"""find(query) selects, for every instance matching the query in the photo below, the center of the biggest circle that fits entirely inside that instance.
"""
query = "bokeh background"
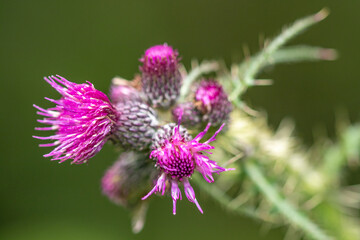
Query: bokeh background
(96, 40)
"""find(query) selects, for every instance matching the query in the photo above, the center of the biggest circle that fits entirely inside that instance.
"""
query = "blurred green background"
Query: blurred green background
(96, 40)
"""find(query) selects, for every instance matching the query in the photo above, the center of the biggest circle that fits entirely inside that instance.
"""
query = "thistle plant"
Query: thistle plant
(160, 118)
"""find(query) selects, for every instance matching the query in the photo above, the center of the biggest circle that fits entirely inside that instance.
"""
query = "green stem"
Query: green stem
(203, 68)
(289, 33)
(301, 53)
(344, 152)
(285, 208)
(223, 199)
(330, 215)
(293, 54)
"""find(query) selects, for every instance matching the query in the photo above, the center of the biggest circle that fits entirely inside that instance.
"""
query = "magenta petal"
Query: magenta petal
(160, 186)
(190, 194)
(175, 194)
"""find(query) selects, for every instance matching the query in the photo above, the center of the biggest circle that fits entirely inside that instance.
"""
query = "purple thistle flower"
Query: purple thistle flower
(161, 79)
(178, 156)
(213, 102)
(83, 119)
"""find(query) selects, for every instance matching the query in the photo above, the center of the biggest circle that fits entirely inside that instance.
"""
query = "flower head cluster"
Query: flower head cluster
(83, 119)
(178, 156)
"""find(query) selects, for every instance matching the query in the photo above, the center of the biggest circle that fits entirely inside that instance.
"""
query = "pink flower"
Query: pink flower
(178, 156)
(83, 119)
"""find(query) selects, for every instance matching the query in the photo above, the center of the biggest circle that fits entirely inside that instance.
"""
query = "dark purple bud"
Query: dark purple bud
(213, 102)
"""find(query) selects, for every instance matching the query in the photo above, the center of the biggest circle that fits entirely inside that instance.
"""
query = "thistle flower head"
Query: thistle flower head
(161, 79)
(83, 119)
(213, 102)
(177, 156)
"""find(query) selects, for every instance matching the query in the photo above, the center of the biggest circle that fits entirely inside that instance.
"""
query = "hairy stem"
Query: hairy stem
(287, 210)
(301, 53)
(223, 199)
(203, 68)
(332, 217)
(256, 63)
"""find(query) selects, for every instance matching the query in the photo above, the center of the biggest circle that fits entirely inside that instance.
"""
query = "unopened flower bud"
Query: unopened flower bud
(213, 102)
(161, 79)
(136, 125)
(122, 90)
(128, 179)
